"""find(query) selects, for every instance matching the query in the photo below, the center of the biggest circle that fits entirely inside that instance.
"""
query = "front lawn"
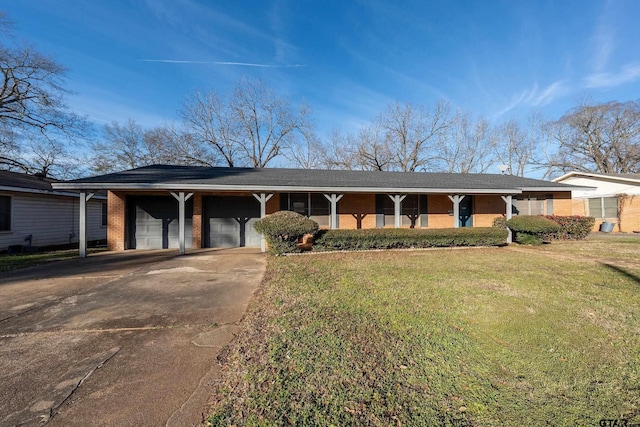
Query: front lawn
(16, 261)
(462, 337)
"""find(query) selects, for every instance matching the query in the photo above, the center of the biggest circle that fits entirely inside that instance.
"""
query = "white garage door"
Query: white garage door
(229, 221)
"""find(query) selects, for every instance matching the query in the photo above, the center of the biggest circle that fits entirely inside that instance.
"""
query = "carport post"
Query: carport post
(263, 198)
(397, 201)
(456, 209)
(182, 198)
(508, 201)
(334, 199)
(84, 198)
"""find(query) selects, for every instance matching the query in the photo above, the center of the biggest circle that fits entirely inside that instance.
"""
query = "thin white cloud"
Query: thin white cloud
(628, 74)
(550, 94)
(241, 64)
(604, 46)
(535, 97)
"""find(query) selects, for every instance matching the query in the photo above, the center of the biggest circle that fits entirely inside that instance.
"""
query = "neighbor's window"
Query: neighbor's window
(603, 207)
(104, 214)
(5, 213)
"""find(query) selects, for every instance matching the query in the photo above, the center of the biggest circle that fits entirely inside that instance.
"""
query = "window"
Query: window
(5, 213)
(532, 205)
(313, 205)
(412, 211)
(603, 207)
(104, 214)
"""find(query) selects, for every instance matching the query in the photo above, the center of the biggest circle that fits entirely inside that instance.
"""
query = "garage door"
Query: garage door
(229, 221)
(153, 223)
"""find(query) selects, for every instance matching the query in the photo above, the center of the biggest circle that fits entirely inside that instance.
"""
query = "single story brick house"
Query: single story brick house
(182, 207)
(613, 197)
(33, 214)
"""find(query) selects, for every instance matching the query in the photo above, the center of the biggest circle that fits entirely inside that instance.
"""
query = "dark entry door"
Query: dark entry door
(466, 212)
(229, 221)
(154, 223)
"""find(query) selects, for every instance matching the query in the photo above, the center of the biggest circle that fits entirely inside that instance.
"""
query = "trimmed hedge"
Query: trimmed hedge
(283, 229)
(404, 238)
(572, 227)
(528, 229)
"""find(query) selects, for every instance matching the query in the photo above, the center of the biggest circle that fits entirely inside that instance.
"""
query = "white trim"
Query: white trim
(595, 175)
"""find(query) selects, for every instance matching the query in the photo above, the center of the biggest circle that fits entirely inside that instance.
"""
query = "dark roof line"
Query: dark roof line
(186, 177)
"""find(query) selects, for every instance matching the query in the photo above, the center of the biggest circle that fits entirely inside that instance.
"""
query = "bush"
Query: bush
(532, 229)
(499, 222)
(403, 238)
(283, 229)
(572, 227)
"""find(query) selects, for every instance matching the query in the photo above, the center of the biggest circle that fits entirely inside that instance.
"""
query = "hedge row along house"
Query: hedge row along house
(162, 206)
(614, 198)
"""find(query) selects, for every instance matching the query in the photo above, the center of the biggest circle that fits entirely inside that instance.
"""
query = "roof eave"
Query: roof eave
(281, 188)
(44, 192)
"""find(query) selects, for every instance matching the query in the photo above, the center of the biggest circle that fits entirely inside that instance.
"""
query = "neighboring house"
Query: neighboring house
(220, 205)
(33, 214)
(613, 198)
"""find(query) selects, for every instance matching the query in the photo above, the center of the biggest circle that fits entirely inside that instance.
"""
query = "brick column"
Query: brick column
(115, 221)
(197, 221)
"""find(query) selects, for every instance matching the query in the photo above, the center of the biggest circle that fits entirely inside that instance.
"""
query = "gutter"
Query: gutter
(283, 188)
(45, 192)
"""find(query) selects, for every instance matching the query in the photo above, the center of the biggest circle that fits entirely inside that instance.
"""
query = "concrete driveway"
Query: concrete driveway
(120, 339)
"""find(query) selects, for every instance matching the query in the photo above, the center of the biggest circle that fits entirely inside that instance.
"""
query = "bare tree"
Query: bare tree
(306, 154)
(601, 138)
(251, 127)
(411, 132)
(122, 148)
(339, 152)
(210, 122)
(466, 146)
(521, 148)
(32, 104)
(171, 145)
(372, 149)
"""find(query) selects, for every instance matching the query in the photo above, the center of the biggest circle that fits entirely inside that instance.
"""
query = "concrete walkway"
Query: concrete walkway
(120, 339)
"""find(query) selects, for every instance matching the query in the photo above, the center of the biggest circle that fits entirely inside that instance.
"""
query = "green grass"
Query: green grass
(16, 261)
(475, 337)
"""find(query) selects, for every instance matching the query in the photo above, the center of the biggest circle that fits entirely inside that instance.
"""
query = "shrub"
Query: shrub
(283, 229)
(499, 222)
(404, 238)
(572, 227)
(532, 229)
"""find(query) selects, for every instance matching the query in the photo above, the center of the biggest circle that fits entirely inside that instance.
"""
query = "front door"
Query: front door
(466, 212)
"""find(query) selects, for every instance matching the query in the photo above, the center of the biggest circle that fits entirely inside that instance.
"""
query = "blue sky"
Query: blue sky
(348, 59)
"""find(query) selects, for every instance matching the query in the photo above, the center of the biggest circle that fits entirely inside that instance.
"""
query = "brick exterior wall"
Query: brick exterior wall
(357, 211)
(438, 207)
(629, 207)
(197, 221)
(116, 221)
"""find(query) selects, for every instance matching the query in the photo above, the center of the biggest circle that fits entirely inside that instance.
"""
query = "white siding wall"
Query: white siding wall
(52, 220)
(604, 188)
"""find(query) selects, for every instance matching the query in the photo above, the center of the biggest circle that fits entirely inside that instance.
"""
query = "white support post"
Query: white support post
(456, 209)
(334, 199)
(509, 201)
(263, 198)
(397, 201)
(84, 198)
(182, 198)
